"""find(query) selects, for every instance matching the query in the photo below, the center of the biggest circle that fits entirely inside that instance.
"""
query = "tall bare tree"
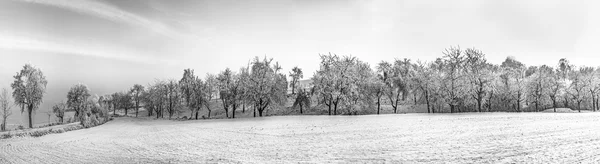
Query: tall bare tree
(5, 107)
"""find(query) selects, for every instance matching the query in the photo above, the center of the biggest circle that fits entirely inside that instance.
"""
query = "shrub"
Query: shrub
(93, 121)
(5, 136)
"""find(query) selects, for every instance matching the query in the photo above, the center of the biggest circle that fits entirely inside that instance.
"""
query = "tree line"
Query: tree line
(458, 81)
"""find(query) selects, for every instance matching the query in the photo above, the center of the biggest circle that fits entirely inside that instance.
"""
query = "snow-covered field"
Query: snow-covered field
(403, 138)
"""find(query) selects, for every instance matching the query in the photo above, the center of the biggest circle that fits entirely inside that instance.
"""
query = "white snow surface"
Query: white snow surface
(401, 138)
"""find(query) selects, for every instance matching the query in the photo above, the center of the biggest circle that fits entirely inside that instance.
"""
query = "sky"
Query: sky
(111, 45)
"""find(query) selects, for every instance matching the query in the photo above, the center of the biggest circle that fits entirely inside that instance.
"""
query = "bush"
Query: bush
(5, 136)
(94, 121)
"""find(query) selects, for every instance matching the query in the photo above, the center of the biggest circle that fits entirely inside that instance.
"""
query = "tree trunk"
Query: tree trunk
(29, 111)
(479, 103)
(593, 100)
(260, 112)
(244, 107)
(335, 108)
(209, 113)
(329, 105)
(137, 108)
(579, 105)
(233, 111)
(149, 112)
(415, 97)
(519, 102)
(197, 111)
(427, 101)
(254, 108)
(378, 104)
(597, 107)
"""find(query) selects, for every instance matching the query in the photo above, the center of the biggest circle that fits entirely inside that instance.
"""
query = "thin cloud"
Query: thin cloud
(109, 12)
(9, 41)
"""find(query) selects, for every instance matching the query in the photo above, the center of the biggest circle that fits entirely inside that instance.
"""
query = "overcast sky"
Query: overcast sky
(110, 45)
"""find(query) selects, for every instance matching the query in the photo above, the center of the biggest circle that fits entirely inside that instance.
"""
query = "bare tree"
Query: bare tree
(5, 107)
(296, 75)
(136, 92)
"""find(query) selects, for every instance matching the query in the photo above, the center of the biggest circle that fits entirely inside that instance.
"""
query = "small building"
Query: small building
(303, 84)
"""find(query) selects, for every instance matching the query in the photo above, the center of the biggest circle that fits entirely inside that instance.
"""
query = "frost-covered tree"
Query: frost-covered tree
(592, 78)
(378, 86)
(268, 87)
(478, 75)
(29, 88)
(513, 78)
(210, 89)
(577, 88)
(59, 110)
(538, 84)
(187, 86)
(136, 95)
(302, 99)
(173, 97)
(425, 82)
(225, 83)
(564, 69)
(453, 83)
(76, 99)
(198, 95)
(155, 98)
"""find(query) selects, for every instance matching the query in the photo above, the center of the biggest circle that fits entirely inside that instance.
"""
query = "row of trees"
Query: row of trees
(260, 85)
(459, 81)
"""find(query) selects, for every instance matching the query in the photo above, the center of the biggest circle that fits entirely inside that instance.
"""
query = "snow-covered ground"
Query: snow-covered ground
(402, 138)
